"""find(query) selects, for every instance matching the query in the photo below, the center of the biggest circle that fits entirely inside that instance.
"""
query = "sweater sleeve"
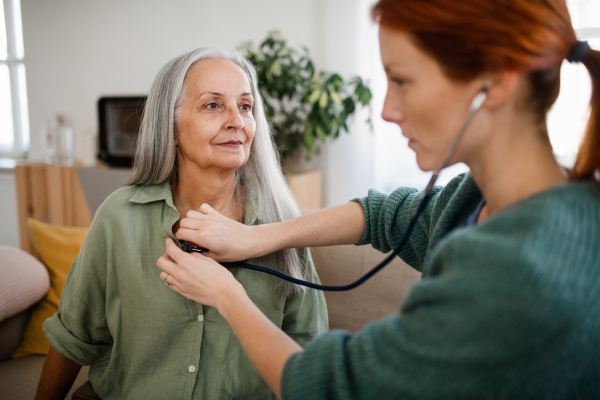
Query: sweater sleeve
(387, 217)
(469, 332)
(79, 329)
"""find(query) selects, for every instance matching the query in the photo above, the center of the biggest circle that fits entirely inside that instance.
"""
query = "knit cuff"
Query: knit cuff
(312, 374)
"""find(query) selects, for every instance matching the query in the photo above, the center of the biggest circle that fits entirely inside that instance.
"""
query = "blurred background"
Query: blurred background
(60, 57)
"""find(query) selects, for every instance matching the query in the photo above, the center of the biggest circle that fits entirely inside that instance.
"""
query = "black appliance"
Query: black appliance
(119, 122)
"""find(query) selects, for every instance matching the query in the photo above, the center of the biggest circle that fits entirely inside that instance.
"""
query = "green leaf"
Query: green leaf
(323, 100)
(308, 136)
(335, 97)
(276, 69)
(321, 133)
(314, 96)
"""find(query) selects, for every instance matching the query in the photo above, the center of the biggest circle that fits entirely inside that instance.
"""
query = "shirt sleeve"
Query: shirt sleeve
(79, 329)
(470, 333)
(305, 314)
(388, 216)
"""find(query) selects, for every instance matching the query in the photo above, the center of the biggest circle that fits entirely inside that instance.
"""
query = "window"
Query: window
(569, 115)
(14, 118)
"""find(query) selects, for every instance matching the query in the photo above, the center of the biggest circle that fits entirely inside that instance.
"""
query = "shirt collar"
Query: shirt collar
(150, 193)
(162, 192)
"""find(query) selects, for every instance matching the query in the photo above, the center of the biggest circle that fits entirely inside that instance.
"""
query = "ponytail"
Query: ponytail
(587, 164)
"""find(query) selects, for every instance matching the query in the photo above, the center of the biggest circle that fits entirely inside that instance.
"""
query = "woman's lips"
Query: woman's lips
(231, 143)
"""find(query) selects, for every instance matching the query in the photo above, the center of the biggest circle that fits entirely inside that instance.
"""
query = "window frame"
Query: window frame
(18, 90)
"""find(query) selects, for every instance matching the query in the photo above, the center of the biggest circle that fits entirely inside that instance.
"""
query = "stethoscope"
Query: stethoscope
(189, 247)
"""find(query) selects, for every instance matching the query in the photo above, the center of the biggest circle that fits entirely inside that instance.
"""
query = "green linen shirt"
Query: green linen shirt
(506, 309)
(143, 340)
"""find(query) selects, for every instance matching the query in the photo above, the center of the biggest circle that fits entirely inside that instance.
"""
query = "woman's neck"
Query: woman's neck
(516, 162)
(196, 186)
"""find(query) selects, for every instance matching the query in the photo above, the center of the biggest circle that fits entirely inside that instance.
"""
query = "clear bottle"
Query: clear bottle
(64, 141)
(49, 140)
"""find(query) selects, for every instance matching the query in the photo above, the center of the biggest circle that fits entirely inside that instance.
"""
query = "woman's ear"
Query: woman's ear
(502, 87)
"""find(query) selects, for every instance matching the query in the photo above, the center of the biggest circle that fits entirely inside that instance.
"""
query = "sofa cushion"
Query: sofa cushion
(19, 378)
(57, 247)
(12, 330)
(379, 296)
(24, 281)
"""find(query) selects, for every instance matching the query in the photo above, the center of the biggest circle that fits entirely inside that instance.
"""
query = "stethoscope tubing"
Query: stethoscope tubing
(364, 278)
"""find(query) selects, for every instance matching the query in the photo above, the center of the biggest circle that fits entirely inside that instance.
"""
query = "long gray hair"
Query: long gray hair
(266, 192)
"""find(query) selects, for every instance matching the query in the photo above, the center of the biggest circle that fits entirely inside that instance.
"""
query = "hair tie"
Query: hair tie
(578, 51)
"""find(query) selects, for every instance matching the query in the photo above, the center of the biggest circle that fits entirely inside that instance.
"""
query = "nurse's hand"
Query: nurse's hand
(228, 240)
(197, 277)
(225, 239)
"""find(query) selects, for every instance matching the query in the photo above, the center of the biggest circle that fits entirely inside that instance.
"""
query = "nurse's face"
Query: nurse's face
(429, 107)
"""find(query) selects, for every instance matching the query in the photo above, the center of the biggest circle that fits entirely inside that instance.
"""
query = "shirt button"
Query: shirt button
(192, 368)
(200, 318)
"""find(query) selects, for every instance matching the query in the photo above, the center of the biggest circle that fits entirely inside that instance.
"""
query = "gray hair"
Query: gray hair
(266, 191)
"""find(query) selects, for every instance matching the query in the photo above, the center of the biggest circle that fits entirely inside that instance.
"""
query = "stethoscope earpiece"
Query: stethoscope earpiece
(486, 85)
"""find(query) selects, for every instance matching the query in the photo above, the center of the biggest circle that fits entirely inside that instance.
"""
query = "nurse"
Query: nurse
(508, 304)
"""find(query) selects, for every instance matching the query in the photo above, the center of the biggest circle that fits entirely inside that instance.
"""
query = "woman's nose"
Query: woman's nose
(235, 120)
(392, 111)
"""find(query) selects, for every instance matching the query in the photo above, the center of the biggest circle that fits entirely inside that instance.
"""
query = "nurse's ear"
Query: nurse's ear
(502, 87)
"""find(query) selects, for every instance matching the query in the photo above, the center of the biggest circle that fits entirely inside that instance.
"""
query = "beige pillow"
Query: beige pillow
(23, 281)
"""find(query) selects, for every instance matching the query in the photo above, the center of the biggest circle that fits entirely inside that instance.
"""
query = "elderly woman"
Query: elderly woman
(204, 139)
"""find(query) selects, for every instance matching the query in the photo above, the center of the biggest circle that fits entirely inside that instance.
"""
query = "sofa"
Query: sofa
(335, 265)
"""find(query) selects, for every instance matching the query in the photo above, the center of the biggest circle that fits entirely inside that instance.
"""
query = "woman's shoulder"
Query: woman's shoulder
(121, 200)
(561, 210)
(548, 241)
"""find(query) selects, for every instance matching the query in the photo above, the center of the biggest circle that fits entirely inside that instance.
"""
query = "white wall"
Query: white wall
(77, 51)
(348, 161)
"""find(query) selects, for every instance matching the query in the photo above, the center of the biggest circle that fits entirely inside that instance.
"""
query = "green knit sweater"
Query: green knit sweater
(506, 309)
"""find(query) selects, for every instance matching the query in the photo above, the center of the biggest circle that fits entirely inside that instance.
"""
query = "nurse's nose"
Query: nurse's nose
(392, 111)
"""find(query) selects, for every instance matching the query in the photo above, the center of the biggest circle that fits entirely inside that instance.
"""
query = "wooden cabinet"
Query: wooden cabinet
(49, 193)
(307, 189)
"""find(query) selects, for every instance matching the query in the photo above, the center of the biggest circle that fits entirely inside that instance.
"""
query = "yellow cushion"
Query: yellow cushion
(57, 247)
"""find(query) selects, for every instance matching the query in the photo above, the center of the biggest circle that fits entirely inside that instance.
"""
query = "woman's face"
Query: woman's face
(215, 125)
(429, 107)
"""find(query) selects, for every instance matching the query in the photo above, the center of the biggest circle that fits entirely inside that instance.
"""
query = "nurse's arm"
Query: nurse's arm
(228, 240)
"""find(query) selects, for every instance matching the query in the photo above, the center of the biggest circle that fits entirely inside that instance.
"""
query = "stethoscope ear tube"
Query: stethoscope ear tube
(367, 276)
(475, 105)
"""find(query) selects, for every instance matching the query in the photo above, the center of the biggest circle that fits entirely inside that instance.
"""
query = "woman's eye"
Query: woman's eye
(211, 106)
(398, 81)
(246, 107)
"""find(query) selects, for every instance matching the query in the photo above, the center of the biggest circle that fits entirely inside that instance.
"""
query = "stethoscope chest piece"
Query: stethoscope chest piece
(189, 247)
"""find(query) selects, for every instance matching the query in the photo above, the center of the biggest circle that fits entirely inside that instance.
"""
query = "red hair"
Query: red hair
(470, 37)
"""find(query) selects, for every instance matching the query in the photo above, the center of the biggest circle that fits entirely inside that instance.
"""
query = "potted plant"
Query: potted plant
(302, 105)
